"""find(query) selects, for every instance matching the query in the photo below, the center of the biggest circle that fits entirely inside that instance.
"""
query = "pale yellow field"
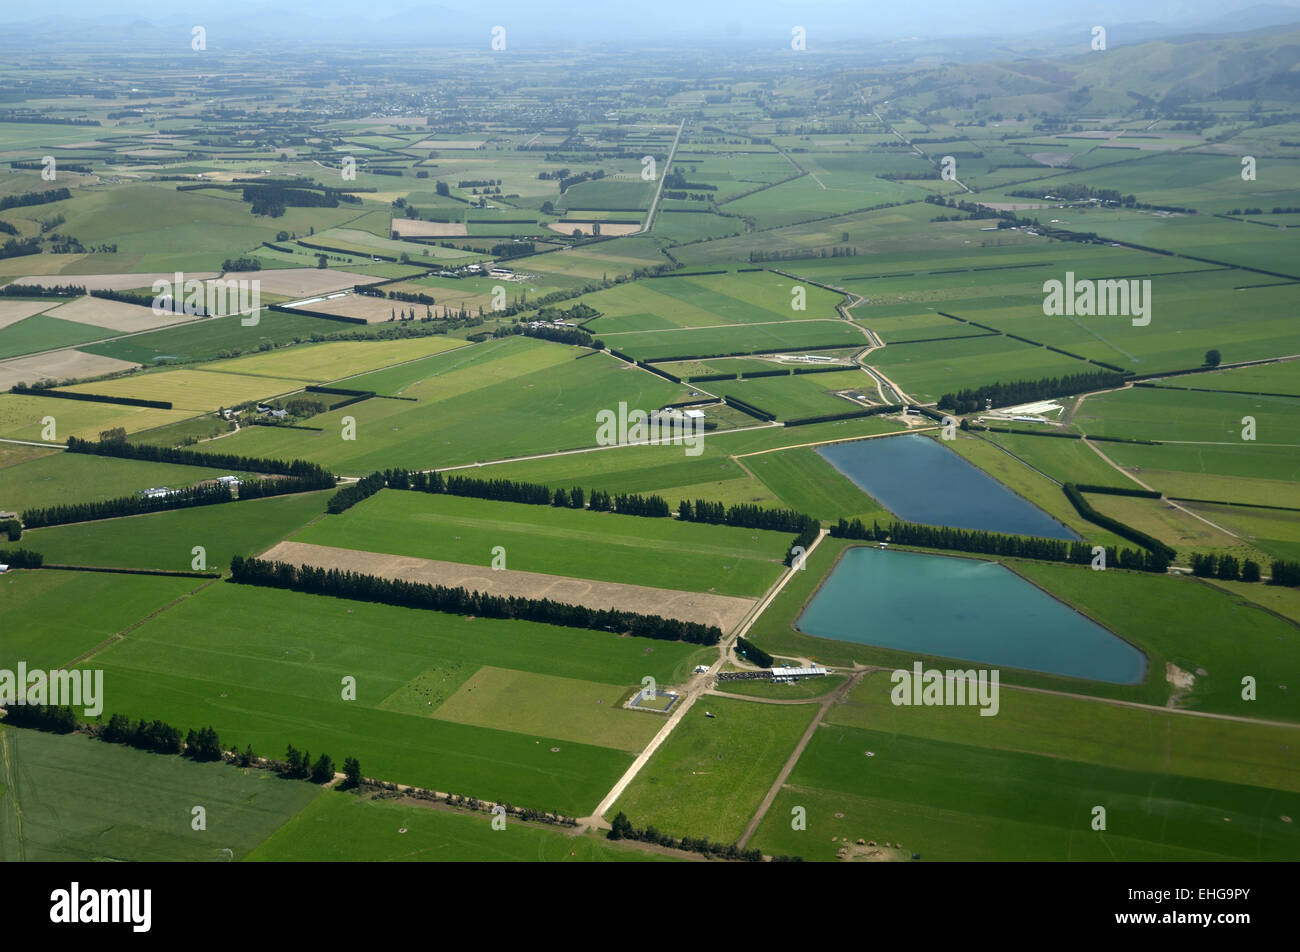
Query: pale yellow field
(21, 417)
(411, 227)
(317, 363)
(65, 364)
(195, 390)
(116, 315)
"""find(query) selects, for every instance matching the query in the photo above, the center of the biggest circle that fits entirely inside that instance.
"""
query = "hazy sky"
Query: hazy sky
(593, 21)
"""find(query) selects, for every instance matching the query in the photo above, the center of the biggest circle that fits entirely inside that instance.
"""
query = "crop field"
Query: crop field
(66, 614)
(75, 477)
(270, 670)
(338, 827)
(709, 777)
(805, 395)
(24, 417)
(707, 301)
(890, 209)
(659, 552)
(44, 332)
(1014, 806)
(572, 710)
(71, 798)
(193, 390)
(704, 342)
(495, 400)
(165, 540)
(218, 336)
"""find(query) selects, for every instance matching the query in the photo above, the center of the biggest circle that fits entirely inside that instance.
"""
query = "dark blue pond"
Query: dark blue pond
(920, 480)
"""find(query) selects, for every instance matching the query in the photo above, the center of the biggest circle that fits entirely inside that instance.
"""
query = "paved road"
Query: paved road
(697, 686)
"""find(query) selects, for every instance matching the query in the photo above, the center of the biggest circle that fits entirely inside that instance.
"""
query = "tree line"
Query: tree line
(460, 601)
(21, 558)
(64, 513)
(994, 543)
(1028, 391)
(749, 516)
(621, 828)
(1124, 530)
(314, 475)
(34, 198)
(160, 737)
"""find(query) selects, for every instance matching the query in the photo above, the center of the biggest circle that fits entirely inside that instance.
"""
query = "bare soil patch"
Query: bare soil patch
(587, 228)
(59, 365)
(11, 312)
(115, 315)
(413, 228)
(370, 309)
(298, 282)
(725, 611)
(111, 282)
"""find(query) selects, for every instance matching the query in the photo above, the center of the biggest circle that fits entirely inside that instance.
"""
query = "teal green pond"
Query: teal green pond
(966, 609)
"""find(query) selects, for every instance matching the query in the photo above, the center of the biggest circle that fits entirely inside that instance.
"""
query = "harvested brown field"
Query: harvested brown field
(588, 228)
(413, 228)
(115, 315)
(370, 309)
(725, 611)
(299, 282)
(11, 312)
(111, 282)
(449, 144)
(58, 365)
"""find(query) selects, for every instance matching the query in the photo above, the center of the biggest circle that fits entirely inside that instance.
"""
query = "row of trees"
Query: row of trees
(21, 558)
(162, 738)
(461, 601)
(1122, 529)
(34, 198)
(1225, 567)
(1028, 391)
(621, 828)
(993, 543)
(749, 516)
(350, 495)
(64, 513)
(315, 476)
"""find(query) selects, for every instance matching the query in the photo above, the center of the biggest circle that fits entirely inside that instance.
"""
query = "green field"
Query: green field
(709, 777)
(79, 477)
(664, 553)
(165, 540)
(65, 614)
(68, 798)
(499, 399)
(208, 339)
(265, 667)
(572, 710)
(735, 339)
(1014, 806)
(341, 827)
